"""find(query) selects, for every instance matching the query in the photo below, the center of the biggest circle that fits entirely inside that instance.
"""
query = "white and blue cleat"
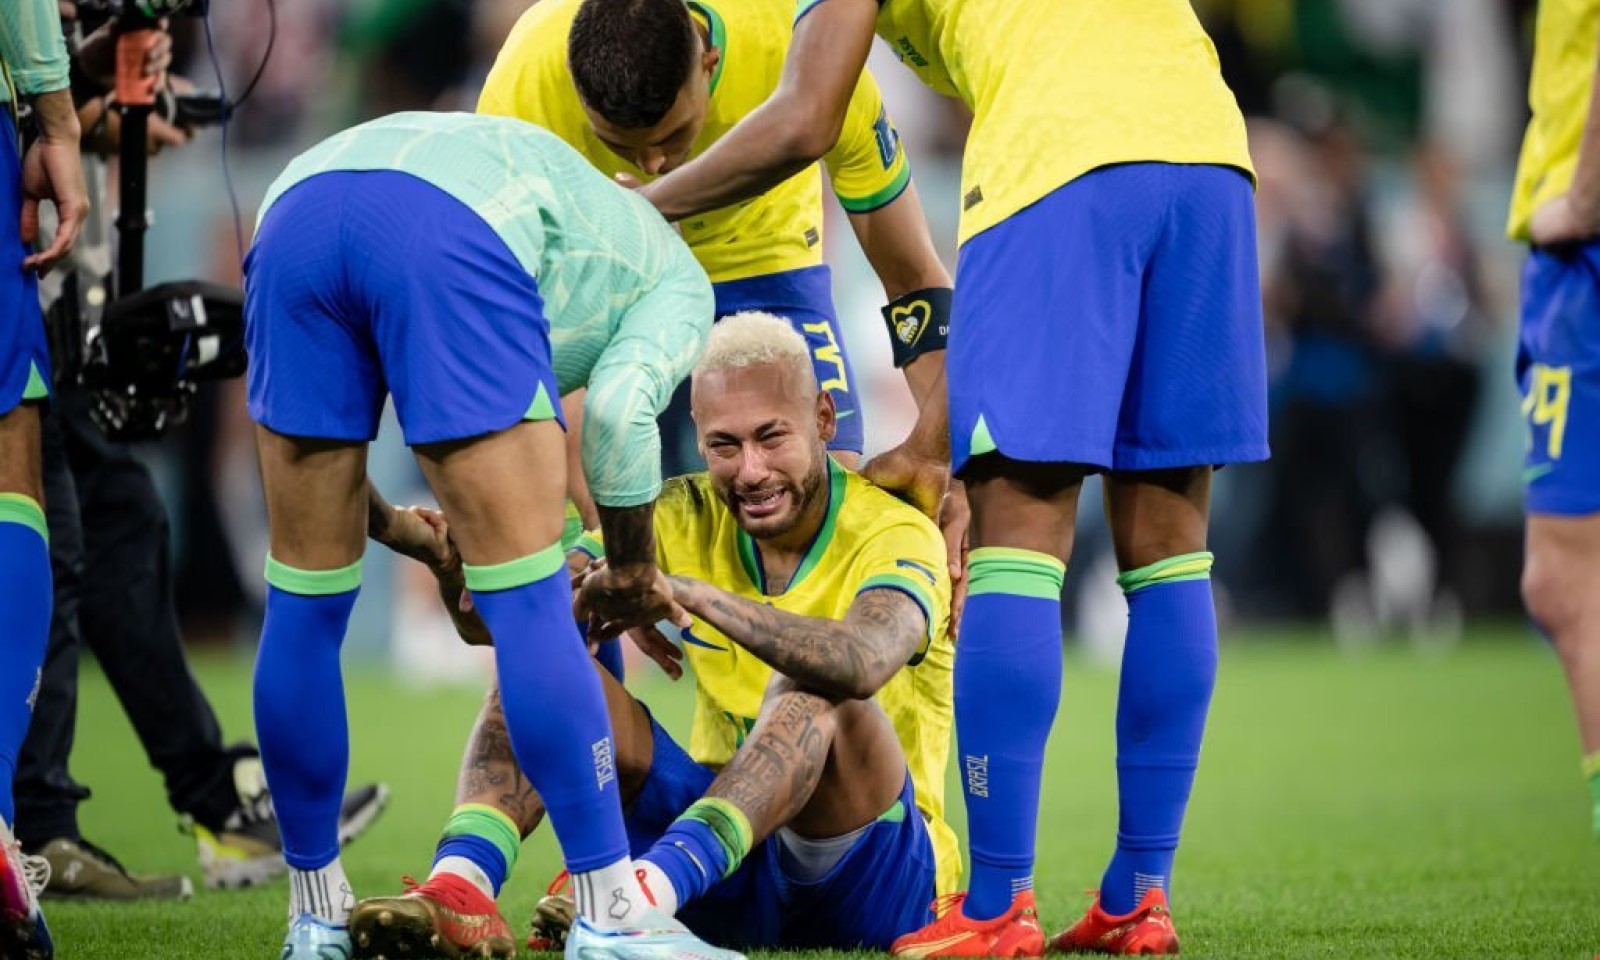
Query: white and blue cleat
(658, 937)
(23, 932)
(313, 939)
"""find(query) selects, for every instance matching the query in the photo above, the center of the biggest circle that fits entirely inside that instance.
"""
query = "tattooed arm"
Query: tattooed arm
(850, 658)
(629, 591)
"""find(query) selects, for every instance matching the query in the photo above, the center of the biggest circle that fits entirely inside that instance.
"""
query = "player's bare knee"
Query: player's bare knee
(21, 458)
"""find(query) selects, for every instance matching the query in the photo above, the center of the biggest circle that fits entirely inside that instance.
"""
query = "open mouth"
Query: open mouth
(763, 503)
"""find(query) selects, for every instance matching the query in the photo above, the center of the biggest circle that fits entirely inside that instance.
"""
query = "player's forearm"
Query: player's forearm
(925, 376)
(797, 125)
(897, 244)
(845, 659)
(1584, 194)
(629, 537)
(770, 145)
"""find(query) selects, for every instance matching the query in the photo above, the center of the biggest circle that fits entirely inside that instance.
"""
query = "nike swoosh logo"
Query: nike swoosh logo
(1533, 473)
(693, 640)
(844, 413)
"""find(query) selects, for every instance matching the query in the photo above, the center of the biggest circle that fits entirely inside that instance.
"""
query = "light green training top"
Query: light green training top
(629, 308)
(32, 48)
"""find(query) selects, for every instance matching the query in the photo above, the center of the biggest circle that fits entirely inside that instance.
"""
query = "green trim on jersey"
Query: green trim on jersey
(719, 37)
(1188, 566)
(312, 583)
(750, 553)
(888, 194)
(36, 388)
(22, 509)
(914, 590)
(515, 573)
(1023, 573)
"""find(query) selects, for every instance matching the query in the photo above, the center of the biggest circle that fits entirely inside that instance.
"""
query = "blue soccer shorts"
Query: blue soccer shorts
(24, 349)
(1114, 323)
(373, 283)
(882, 888)
(1558, 371)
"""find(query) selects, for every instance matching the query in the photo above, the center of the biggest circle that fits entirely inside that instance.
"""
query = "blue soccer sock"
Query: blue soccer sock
(484, 836)
(299, 705)
(701, 848)
(1168, 669)
(1007, 688)
(555, 710)
(25, 596)
(674, 783)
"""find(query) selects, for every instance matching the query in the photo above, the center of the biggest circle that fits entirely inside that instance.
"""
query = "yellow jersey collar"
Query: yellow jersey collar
(712, 21)
(750, 552)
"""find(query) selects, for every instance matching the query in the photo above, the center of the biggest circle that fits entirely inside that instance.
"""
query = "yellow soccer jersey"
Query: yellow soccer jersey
(1566, 45)
(778, 231)
(869, 540)
(1060, 87)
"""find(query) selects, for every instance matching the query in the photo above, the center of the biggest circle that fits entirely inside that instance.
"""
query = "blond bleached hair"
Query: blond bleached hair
(754, 338)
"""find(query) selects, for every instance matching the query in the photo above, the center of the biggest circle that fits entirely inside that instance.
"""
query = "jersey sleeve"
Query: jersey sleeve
(655, 346)
(32, 47)
(910, 558)
(868, 166)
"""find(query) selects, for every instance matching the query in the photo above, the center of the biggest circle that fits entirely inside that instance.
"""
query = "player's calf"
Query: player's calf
(1562, 593)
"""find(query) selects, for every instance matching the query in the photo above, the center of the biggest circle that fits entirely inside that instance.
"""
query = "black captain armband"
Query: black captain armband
(919, 322)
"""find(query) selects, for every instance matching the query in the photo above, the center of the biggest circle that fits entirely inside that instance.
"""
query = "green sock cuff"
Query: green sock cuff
(1186, 566)
(312, 583)
(729, 824)
(515, 573)
(1025, 573)
(22, 509)
(486, 823)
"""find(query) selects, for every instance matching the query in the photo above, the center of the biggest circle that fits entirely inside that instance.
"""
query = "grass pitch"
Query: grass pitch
(1389, 805)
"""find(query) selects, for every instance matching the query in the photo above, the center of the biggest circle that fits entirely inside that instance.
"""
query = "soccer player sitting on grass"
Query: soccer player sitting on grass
(476, 268)
(822, 665)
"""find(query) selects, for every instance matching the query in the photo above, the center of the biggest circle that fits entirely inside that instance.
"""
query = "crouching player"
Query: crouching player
(822, 661)
(438, 257)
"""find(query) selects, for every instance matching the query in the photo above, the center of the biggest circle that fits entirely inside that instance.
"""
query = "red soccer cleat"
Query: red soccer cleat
(1146, 931)
(446, 916)
(1015, 933)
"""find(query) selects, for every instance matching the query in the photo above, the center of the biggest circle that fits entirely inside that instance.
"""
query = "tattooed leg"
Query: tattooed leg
(489, 771)
(820, 767)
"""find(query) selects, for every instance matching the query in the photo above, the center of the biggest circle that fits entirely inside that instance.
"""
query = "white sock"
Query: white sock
(466, 870)
(657, 884)
(324, 894)
(610, 898)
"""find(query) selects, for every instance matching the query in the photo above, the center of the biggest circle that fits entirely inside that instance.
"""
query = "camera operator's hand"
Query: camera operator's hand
(52, 170)
(97, 55)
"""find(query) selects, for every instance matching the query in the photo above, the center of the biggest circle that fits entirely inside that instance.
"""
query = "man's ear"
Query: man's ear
(827, 416)
(709, 58)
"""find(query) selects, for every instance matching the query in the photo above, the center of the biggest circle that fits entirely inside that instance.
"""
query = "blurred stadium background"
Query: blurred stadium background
(1384, 130)
(1392, 769)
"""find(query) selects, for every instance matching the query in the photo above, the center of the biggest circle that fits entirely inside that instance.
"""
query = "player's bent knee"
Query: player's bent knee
(21, 458)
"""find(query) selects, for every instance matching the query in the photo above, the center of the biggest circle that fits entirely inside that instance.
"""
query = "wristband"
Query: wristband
(919, 323)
